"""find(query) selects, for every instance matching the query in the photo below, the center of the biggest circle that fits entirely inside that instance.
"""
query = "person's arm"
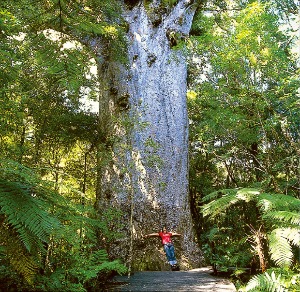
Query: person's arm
(175, 234)
(151, 234)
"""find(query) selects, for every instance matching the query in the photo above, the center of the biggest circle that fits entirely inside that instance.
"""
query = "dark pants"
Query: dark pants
(170, 253)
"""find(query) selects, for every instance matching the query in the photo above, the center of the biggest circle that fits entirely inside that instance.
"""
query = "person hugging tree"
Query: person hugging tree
(168, 246)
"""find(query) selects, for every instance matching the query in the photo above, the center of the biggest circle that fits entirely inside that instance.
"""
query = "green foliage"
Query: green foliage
(42, 231)
(290, 218)
(8, 26)
(83, 271)
(230, 213)
(16, 257)
(225, 249)
(281, 241)
(226, 239)
(274, 280)
(26, 205)
(96, 262)
(169, 2)
(242, 101)
(50, 234)
(25, 212)
(244, 131)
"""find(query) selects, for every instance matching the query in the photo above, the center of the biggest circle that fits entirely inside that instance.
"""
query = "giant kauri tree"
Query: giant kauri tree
(149, 181)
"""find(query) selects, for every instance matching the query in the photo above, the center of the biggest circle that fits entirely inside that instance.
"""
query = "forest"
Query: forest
(84, 174)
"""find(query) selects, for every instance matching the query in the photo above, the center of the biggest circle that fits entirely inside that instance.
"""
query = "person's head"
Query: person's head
(164, 229)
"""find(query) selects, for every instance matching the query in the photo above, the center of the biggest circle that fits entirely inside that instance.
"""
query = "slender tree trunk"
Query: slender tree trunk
(153, 190)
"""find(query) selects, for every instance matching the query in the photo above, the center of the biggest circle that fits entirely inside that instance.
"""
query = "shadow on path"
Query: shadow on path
(193, 280)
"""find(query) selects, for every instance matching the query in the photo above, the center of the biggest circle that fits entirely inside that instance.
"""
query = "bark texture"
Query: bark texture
(153, 191)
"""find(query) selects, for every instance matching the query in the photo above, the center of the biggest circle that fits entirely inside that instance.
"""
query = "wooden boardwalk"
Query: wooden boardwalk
(162, 281)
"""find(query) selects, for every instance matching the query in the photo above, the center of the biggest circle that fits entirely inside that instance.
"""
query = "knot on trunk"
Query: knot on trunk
(151, 59)
(175, 37)
(123, 102)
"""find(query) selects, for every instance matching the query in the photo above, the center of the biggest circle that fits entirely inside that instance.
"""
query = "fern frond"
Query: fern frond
(20, 260)
(32, 243)
(99, 256)
(285, 217)
(113, 266)
(219, 206)
(26, 213)
(228, 198)
(280, 241)
(212, 233)
(293, 235)
(98, 261)
(266, 282)
(268, 202)
(24, 265)
(247, 194)
(16, 172)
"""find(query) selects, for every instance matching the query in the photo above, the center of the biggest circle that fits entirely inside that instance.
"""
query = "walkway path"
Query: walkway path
(194, 280)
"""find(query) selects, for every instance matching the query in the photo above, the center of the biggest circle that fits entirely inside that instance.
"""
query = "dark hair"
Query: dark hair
(163, 227)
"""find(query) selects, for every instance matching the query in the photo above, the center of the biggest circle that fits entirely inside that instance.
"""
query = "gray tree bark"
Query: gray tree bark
(152, 190)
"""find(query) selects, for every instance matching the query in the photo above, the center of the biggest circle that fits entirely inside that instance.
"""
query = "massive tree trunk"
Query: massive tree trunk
(153, 189)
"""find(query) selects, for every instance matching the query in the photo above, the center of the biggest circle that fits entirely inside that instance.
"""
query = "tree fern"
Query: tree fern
(247, 194)
(287, 233)
(280, 249)
(278, 212)
(96, 262)
(217, 194)
(220, 205)
(228, 198)
(274, 280)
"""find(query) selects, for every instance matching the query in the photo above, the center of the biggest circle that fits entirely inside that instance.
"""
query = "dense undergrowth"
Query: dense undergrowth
(49, 242)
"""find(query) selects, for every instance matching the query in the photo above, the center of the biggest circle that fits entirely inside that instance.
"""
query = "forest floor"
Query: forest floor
(194, 280)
